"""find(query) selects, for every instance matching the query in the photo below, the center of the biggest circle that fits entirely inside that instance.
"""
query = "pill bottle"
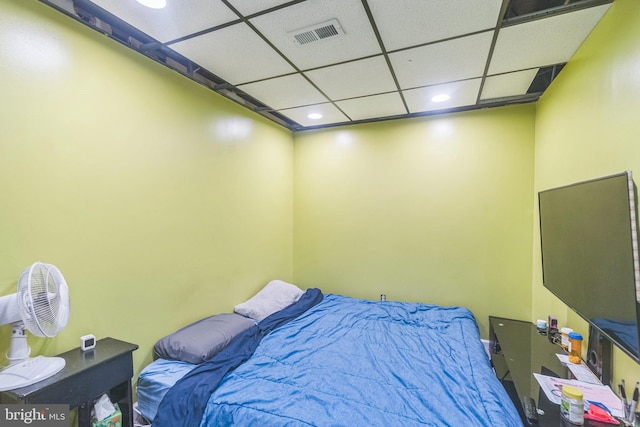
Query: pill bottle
(575, 347)
(565, 338)
(572, 405)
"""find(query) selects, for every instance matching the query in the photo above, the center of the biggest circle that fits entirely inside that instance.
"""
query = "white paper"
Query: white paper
(552, 388)
(581, 371)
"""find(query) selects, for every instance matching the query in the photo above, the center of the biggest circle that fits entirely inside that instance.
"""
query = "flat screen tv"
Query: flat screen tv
(589, 243)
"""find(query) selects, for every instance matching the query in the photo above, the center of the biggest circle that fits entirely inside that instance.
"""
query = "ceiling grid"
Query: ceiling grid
(316, 63)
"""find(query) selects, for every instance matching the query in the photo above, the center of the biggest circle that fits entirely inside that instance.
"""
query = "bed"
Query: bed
(332, 360)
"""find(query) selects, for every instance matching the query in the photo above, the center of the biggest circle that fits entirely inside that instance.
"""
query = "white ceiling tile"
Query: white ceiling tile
(284, 92)
(461, 94)
(357, 41)
(236, 54)
(359, 78)
(543, 42)
(330, 114)
(249, 7)
(416, 22)
(455, 59)
(432, 45)
(176, 20)
(370, 107)
(510, 84)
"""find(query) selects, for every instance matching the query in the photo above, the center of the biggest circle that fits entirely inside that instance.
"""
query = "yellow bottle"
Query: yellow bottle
(575, 347)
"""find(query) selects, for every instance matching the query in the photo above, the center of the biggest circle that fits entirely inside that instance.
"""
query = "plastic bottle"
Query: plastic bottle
(565, 337)
(542, 326)
(575, 347)
(572, 405)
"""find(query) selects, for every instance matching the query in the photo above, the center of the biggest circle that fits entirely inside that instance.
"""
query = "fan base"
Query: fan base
(29, 371)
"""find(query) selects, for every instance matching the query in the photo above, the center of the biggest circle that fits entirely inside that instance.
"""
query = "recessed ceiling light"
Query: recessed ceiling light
(440, 98)
(315, 116)
(154, 4)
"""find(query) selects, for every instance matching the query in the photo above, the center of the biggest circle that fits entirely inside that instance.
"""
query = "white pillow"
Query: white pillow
(275, 296)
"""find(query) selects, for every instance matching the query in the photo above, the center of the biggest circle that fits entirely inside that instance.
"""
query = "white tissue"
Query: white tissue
(102, 408)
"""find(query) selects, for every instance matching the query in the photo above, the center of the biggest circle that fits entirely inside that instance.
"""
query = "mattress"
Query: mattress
(347, 361)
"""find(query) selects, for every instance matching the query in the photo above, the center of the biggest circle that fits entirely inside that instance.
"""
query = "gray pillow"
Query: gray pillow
(203, 339)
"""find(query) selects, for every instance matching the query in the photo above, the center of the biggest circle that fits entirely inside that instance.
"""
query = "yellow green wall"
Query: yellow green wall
(588, 125)
(435, 209)
(160, 201)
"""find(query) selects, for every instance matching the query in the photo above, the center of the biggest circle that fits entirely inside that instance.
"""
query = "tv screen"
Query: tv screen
(590, 254)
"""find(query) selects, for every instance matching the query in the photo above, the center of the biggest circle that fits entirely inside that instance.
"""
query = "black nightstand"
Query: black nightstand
(86, 376)
(517, 351)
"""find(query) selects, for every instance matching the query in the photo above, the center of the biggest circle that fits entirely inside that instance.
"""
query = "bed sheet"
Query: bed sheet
(155, 380)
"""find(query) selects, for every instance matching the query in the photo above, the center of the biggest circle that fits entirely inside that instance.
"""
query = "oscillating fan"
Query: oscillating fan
(41, 306)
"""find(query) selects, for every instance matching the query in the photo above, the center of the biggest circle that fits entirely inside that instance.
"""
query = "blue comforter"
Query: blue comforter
(184, 403)
(351, 362)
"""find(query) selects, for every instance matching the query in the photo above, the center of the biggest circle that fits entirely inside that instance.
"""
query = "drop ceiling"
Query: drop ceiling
(317, 63)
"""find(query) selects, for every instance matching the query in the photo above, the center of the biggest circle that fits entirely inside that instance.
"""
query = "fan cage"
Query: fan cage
(43, 298)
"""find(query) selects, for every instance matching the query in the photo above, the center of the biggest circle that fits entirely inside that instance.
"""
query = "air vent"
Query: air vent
(317, 32)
